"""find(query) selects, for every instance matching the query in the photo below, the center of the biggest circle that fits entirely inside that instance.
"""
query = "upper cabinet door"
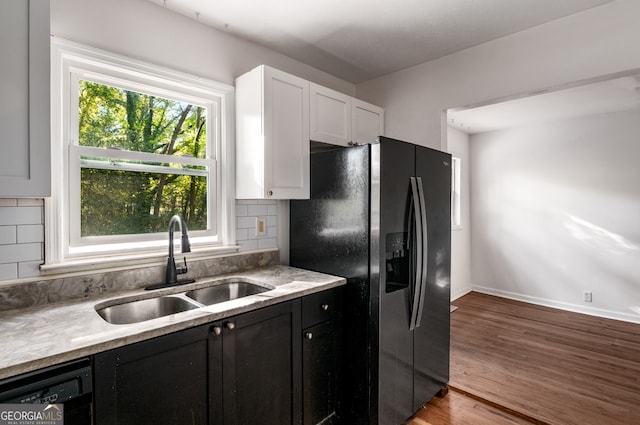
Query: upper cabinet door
(330, 118)
(272, 135)
(367, 122)
(24, 90)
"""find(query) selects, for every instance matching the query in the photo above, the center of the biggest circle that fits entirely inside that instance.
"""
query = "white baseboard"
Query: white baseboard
(608, 314)
(461, 292)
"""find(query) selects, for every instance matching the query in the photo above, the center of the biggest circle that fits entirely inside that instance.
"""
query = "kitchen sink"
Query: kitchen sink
(225, 292)
(164, 305)
(141, 310)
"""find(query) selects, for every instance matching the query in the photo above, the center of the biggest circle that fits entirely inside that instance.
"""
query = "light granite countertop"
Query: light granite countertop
(38, 337)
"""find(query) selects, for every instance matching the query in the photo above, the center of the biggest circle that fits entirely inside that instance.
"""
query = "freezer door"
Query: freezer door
(395, 289)
(431, 338)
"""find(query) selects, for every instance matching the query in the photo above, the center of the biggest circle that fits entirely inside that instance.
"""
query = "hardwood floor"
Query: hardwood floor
(549, 365)
(459, 409)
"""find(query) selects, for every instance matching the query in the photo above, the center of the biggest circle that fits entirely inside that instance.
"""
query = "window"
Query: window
(135, 144)
(139, 159)
(455, 193)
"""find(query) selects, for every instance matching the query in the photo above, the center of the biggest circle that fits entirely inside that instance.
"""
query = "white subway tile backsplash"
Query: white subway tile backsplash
(8, 271)
(21, 237)
(267, 243)
(257, 210)
(20, 215)
(248, 245)
(8, 235)
(242, 234)
(241, 210)
(247, 211)
(20, 252)
(31, 233)
(29, 269)
(246, 222)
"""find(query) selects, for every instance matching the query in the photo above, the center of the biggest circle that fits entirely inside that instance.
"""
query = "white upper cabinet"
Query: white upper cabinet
(338, 119)
(367, 122)
(277, 114)
(330, 118)
(24, 90)
(272, 135)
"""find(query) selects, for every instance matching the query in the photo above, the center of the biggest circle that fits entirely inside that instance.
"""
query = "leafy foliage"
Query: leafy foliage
(115, 202)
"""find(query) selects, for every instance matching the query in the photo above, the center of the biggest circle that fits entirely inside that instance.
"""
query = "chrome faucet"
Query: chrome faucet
(171, 275)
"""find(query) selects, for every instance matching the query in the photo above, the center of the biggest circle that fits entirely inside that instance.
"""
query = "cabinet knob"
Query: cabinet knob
(270, 193)
(230, 325)
(217, 330)
(324, 307)
(308, 335)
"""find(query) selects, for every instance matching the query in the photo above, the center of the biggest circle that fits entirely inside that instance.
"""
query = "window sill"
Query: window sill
(130, 261)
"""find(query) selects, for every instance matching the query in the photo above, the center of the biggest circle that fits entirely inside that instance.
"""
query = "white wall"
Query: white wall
(593, 43)
(461, 236)
(149, 32)
(556, 211)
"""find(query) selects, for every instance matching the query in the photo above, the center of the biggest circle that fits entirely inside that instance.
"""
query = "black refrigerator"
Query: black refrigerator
(380, 216)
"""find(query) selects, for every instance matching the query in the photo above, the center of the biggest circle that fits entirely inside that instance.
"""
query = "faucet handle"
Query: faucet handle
(182, 270)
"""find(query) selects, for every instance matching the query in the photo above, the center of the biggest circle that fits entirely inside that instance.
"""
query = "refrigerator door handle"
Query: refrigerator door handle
(425, 252)
(419, 254)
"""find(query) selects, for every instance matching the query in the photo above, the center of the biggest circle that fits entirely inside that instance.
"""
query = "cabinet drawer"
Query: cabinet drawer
(320, 307)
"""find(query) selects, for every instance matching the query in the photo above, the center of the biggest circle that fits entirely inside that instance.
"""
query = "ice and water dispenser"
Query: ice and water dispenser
(397, 261)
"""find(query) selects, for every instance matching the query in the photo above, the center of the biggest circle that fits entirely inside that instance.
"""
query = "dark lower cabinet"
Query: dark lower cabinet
(159, 381)
(240, 370)
(256, 367)
(260, 366)
(322, 358)
(321, 366)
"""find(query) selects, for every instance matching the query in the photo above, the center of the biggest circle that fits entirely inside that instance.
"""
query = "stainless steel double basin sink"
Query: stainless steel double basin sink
(164, 305)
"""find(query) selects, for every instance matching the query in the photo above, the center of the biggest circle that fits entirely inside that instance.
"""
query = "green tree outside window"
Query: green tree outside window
(137, 197)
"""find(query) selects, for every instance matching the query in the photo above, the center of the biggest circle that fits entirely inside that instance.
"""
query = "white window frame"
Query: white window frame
(456, 195)
(64, 248)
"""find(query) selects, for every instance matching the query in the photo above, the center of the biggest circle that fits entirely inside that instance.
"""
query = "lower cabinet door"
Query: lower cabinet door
(321, 373)
(162, 381)
(261, 366)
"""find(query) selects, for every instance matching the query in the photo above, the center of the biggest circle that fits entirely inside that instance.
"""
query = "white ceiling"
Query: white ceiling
(357, 40)
(614, 95)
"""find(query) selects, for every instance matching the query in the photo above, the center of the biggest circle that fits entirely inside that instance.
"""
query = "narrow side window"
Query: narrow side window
(455, 193)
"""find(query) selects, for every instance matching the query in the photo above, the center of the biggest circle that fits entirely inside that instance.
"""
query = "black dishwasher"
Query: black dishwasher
(69, 384)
